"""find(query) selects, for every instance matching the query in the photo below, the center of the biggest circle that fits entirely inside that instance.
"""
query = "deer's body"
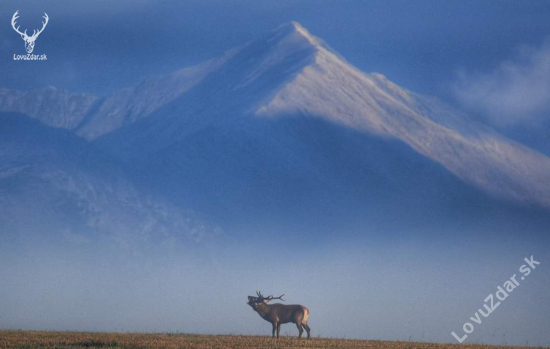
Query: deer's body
(278, 314)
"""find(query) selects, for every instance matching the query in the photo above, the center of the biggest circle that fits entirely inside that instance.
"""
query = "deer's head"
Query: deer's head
(29, 40)
(254, 302)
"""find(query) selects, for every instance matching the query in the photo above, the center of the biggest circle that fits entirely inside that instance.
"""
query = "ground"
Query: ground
(64, 340)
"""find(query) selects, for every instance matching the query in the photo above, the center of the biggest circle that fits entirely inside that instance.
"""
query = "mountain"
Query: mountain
(333, 90)
(292, 72)
(283, 132)
(56, 187)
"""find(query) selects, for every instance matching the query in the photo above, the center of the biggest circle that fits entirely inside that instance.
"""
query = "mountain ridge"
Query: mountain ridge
(52, 106)
(58, 187)
(292, 72)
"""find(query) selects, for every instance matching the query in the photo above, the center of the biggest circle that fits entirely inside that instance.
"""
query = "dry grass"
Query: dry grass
(81, 340)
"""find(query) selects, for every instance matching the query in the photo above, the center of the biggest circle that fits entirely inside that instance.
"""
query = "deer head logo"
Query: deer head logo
(29, 40)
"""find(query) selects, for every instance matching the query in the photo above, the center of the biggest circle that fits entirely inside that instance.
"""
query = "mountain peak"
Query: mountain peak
(294, 27)
(294, 31)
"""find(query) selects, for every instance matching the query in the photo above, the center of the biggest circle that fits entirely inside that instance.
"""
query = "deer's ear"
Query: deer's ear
(250, 299)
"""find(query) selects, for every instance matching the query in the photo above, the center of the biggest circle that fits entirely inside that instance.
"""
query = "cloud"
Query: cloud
(517, 91)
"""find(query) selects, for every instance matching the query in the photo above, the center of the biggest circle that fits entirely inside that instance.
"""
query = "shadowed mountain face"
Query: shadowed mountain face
(303, 174)
(282, 134)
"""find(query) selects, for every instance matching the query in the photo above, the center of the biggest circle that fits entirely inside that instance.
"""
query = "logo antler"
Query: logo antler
(13, 24)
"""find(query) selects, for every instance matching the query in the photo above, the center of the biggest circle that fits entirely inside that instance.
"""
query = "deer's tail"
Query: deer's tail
(306, 315)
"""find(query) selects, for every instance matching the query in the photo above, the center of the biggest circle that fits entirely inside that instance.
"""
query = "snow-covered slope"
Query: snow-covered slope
(248, 75)
(128, 105)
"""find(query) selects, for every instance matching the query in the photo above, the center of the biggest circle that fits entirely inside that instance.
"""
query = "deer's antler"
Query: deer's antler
(280, 297)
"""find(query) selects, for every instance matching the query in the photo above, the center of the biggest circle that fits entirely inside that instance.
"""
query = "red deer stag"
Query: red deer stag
(279, 313)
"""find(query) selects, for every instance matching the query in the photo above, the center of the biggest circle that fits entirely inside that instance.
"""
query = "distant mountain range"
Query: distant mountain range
(56, 187)
(279, 133)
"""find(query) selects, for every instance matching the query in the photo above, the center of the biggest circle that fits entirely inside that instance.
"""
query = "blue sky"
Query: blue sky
(421, 45)
(454, 50)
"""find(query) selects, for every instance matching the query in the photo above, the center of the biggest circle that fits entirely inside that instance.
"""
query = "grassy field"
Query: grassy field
(61, 340)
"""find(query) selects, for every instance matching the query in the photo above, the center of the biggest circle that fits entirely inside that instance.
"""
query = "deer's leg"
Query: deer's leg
(274, 328)
(307, 329)
(278, 329)
(300, 330)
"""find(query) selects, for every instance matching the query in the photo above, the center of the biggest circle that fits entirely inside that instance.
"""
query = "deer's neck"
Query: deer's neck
(263, 310)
